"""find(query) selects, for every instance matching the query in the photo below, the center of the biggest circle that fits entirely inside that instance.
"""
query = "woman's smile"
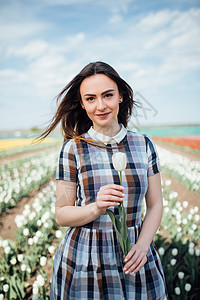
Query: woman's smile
(103, 115)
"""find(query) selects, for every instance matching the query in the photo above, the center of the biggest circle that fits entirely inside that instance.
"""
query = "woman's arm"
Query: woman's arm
(67, 214)
(136, 257)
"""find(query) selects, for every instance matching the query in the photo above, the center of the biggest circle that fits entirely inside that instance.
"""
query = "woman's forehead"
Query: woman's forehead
(97, 83)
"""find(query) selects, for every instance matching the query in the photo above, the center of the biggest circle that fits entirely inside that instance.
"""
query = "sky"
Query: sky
(153, 45)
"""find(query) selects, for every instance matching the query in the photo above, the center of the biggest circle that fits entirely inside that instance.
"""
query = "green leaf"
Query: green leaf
(117, 226)
(115, 221)
(127, 246)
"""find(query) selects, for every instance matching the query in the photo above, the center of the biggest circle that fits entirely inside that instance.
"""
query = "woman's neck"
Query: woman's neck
(108, 131)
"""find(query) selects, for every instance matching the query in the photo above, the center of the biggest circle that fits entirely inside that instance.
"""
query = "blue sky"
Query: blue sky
(154, 46)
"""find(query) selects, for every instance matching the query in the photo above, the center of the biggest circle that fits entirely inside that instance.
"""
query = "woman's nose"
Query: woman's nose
(101, 104)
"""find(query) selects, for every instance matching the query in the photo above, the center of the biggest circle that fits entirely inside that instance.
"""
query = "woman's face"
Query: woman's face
(100, 98)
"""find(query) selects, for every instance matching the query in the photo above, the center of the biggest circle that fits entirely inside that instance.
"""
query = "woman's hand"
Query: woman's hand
(135, 259)
(109, 195)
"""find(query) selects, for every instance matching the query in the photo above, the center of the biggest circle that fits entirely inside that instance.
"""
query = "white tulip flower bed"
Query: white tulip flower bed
(37, 230)
(36, 236)
(180, 167)
(179, 250)
(19, 178)
(24, 264)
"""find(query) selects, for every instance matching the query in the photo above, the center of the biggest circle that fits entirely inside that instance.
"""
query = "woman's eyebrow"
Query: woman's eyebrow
(107, 91)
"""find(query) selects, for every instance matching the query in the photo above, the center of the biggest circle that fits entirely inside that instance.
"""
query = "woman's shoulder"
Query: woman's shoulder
(68, 146)
(139, 139)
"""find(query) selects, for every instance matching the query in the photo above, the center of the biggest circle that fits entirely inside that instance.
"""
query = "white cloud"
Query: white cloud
(116, 19)
(9, 76)
(31, 50)
(156, 50)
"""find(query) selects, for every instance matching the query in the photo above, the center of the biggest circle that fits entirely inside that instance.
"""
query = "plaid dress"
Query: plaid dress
(89, 261)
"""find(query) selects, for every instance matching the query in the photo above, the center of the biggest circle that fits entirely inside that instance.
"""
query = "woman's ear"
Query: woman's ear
(120, 98)
(82, 105)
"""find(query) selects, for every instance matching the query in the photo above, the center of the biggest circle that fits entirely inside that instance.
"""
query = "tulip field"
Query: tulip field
(26, 255)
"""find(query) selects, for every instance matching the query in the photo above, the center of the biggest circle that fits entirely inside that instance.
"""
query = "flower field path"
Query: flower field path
(8, 226)
(15, 157)
(184, 194)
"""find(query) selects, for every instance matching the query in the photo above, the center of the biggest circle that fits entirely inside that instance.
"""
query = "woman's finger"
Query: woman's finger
(112, 186)
(141, 264)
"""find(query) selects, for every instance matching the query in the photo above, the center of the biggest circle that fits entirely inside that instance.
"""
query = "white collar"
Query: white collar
(107, 139)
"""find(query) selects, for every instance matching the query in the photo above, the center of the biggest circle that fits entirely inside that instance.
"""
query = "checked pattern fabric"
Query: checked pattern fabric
(89, 262)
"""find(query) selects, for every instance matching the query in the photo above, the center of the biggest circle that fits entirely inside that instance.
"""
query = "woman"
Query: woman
(89, 263)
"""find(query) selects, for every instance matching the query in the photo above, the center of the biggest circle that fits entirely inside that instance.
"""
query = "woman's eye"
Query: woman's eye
(90, 99)
(108, 95)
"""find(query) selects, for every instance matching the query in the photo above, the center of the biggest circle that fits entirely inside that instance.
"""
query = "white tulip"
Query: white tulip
(191, 245)
(177, 291)
(191, 232)
(174, 251)
(5, 288)
(119, 161)
(5, 243)
(188, 287)
(7, 249)
(166, 209)
(51, 249)
(23, 267)
(30, 241)
(185, 204)
(32, 215)
(191, 251)
(27, 206)
(20, 257)
(35, 291)
(184, 221)
(194, 226)
(179, 229)
(39, 234)
(46, 225)
(35, 239)
(1, 296)
(26, 231)
(192, 211)
(173, 261)
(197, 252)
(39, 222)
(43, 261)
(58, 234)
(13, 261)
(168, 182)
(40, 280)
(161, 251)
(181, 275)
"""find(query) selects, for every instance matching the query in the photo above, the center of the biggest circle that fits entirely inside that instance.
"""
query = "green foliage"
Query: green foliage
(187, 264)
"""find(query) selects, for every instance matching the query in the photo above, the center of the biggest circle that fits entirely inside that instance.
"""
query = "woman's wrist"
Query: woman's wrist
(95, 211)
(144, 247)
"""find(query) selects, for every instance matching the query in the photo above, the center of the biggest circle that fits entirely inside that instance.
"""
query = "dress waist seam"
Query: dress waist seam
(91, 227)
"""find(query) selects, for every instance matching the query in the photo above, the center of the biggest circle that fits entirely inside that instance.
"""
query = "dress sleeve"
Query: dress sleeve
(153, 159)
(66, 169)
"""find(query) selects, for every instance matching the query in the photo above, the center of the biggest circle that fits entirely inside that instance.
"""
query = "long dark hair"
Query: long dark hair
(74, 119)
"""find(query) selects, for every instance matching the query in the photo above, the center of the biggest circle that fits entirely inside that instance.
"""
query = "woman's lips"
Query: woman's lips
(102, 115)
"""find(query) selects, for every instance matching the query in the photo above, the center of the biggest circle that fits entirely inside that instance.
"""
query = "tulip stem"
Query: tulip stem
(120, 180)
